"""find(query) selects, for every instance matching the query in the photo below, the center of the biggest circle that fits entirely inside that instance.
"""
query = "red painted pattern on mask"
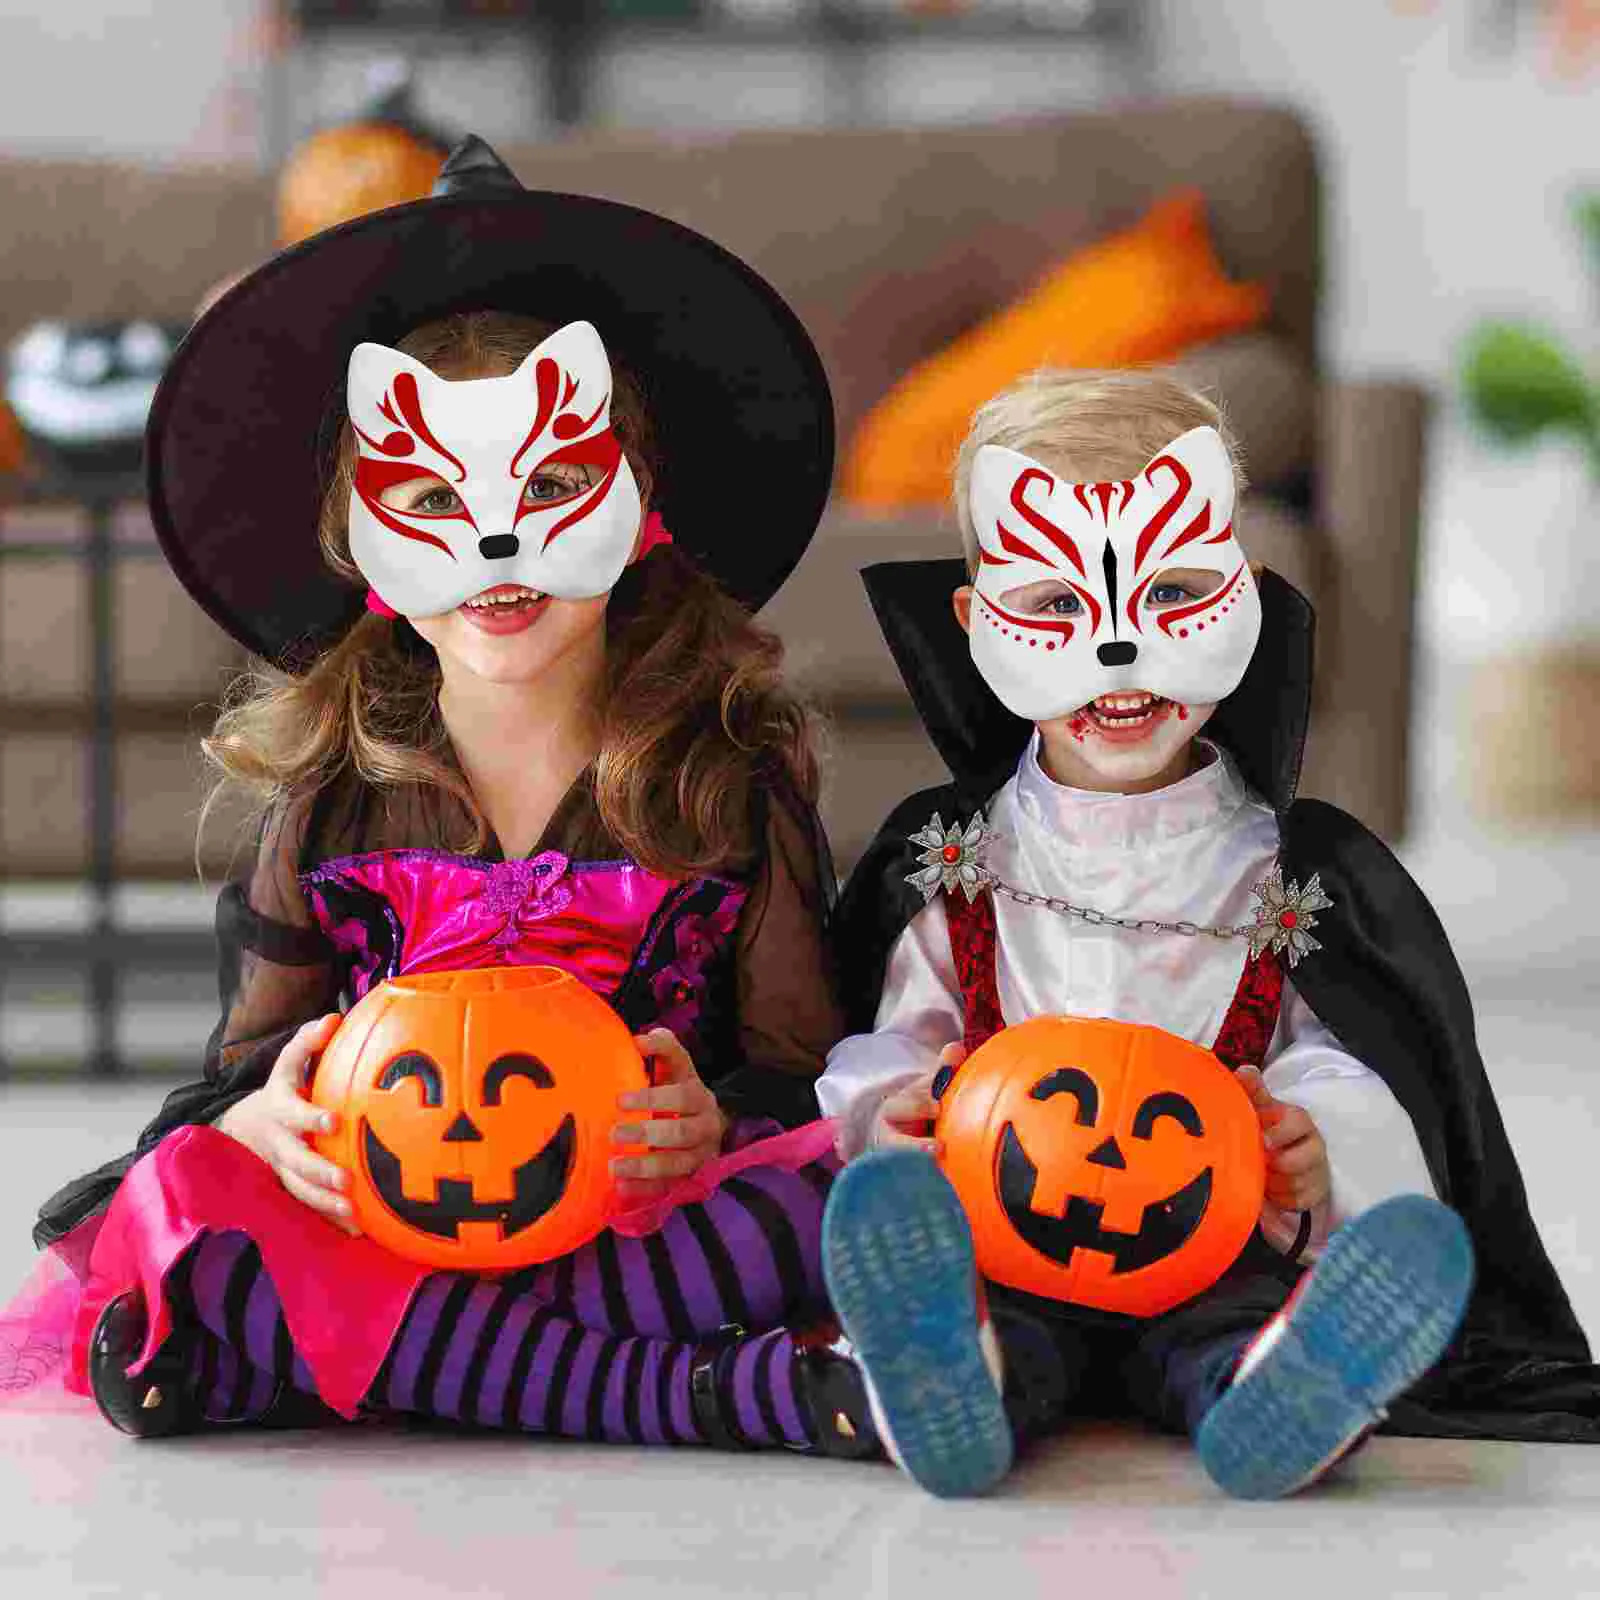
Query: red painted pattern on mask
(1040, 523)
(373, 478)
(1020, 547)
(1200, 525)
(546, 378)
(1063, 627)
(1223, 537)
(1154, 527)
(1167, 618)
(1134, 599)
(397, 443)
(570, 427)
(604, 451)
(409, 399)
(1103, 492)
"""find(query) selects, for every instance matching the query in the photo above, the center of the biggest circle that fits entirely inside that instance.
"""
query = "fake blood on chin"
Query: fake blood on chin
(1127, 730)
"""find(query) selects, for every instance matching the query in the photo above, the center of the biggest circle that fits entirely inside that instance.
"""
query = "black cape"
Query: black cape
(1385, 982)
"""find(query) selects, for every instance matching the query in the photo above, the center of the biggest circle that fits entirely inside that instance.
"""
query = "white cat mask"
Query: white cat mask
(487, 439)
(1107, 542)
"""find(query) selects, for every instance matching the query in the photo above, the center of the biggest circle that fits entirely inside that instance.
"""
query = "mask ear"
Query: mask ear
(373, 367)
(579, 351)
(994, 469)
(1201, 453)
(369, 378)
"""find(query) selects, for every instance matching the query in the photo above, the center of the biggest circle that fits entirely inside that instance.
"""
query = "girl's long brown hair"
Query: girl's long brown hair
(695, 716)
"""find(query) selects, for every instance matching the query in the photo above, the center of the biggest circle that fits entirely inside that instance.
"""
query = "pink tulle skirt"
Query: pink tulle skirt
(343, 1298)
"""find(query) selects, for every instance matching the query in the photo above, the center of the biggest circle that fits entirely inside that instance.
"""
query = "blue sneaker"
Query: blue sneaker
(1369, 1319)
(897, 1256)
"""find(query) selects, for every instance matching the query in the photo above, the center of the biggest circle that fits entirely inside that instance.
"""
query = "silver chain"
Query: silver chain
(1102, 919)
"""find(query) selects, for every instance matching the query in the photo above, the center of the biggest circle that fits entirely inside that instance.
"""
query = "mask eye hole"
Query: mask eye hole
(1049, 597)
(413, 1064)
(556, 482)
(1076, 1082)
(514, 1065)
(422, 496)
(1167, 1104)
(1176, 586)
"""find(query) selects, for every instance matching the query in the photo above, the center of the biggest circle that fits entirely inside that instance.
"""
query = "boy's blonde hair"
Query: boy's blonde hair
(1088, 427)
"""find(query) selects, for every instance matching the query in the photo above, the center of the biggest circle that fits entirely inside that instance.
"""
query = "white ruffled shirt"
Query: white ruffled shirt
(1190, 852)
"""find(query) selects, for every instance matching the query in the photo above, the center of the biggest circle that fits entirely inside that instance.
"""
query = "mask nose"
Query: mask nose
(1119, 654)
(499, 546)
(1103, 1155)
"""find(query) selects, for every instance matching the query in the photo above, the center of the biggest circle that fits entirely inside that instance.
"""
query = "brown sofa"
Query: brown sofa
(888, 242)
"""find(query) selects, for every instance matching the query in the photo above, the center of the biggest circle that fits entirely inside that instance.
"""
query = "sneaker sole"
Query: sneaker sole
(897, 1256)
(1379, 1310)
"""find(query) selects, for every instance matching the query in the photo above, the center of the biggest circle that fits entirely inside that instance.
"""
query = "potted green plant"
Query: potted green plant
(1520, 382)
(1535, 747)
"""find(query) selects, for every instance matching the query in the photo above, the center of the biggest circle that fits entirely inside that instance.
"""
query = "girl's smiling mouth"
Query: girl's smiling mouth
(506, 608)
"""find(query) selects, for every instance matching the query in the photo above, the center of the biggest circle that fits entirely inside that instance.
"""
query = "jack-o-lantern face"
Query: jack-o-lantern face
(476, 1111)
(1102, 1163)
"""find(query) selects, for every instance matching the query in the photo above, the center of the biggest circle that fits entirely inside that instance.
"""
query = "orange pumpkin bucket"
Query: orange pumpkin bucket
(476, 1111)
(1105, 1164)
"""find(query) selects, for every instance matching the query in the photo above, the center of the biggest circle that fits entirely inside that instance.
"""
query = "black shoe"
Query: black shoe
(159, 1401)
(714, 1414)
(828, 1386)
(833, 1394)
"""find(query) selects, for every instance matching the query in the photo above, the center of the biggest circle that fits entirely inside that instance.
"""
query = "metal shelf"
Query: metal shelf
(569, 35)
(150, 950)
(823, 25)
(103, 948)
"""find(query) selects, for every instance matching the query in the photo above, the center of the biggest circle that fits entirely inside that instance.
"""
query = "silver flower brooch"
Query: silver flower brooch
(1285, 917)
(952, 858)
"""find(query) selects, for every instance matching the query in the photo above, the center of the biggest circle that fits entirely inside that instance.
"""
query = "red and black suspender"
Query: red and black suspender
(1242, 1040)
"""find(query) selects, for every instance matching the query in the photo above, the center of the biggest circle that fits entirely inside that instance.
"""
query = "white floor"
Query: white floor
(84, 1512)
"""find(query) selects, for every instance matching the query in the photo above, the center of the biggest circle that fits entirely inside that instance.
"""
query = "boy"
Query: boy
(1124, 707)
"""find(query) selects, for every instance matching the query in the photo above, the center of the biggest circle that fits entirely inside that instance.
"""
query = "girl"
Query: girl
(552, 736)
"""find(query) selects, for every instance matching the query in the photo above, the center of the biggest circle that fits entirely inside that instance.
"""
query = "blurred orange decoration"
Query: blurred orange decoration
(13, 451)
(1143, 295)
(347, 171)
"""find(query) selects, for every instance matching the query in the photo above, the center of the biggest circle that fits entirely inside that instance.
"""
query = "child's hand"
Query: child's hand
(274, 1122)
(683, 1140)
(905, 1120)
(1298, 1175)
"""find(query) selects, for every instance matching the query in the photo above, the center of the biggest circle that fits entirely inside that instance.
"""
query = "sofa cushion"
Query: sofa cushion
(889, 242)
(1142, 295)
(1268, 396)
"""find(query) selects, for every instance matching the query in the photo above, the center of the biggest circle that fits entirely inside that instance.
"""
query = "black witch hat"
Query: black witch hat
(238, 446)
